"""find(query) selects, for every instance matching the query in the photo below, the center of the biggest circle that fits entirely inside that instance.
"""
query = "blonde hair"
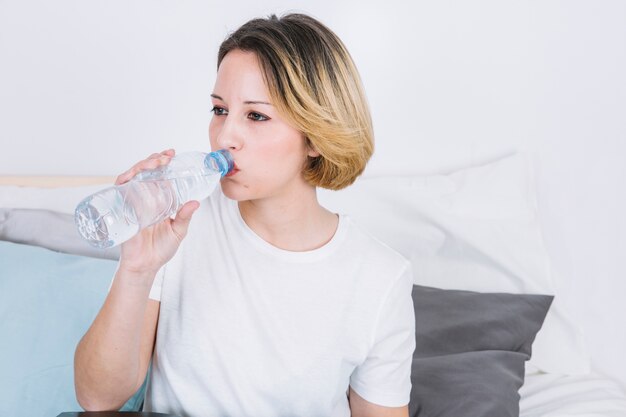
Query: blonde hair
(313, 82)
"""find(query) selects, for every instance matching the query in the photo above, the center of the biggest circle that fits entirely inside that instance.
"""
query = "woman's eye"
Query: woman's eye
(257, 117)
(218, 111)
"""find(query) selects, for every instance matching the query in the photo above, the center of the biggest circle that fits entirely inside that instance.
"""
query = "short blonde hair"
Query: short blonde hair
(313, 82)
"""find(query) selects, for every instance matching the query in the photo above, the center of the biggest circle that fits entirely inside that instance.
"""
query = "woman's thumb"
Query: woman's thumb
(180, 224)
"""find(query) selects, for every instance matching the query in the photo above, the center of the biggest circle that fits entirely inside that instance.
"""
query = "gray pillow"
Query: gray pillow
(470, 351)
(50, 230)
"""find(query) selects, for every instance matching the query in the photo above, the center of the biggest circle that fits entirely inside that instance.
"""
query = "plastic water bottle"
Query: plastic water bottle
(114, 215)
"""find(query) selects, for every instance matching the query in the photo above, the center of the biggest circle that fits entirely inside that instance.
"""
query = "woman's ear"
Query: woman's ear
(311, 149)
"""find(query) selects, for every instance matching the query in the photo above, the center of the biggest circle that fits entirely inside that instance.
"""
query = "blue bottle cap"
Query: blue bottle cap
(221, 161)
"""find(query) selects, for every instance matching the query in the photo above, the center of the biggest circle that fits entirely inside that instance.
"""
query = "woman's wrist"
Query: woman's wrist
(138, 276)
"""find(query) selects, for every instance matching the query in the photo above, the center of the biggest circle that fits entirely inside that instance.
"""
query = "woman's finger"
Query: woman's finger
(152, 162)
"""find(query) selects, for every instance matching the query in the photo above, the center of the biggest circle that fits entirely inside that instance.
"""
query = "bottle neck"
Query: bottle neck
(220, 161)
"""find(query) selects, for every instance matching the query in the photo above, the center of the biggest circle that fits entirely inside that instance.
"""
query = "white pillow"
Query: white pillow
(62, 200)
(475, 229)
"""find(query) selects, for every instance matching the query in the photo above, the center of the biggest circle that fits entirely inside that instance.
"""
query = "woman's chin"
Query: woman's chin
(234, 191)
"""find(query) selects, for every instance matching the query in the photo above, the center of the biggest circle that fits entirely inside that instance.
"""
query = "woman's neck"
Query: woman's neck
(295, 223)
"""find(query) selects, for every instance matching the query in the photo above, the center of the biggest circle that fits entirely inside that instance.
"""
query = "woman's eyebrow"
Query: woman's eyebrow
(245, 102)
(257, 102)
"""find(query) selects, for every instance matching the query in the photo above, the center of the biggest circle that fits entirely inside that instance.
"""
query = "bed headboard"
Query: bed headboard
(54, 181)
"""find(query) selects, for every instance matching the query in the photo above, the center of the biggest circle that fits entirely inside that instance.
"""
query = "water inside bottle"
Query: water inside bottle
(116, 214)
(103, 224)
(196, 187)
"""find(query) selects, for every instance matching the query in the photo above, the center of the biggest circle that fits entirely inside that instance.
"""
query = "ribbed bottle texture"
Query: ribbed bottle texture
(115, 214)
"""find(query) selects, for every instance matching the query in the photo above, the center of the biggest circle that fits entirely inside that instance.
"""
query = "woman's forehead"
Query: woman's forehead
(240, 74)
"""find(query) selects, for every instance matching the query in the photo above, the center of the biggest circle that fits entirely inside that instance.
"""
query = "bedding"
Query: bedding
(474, 229)
(591, 395)
(61, 199)
(470, 351)
(48, 300)
(48, 229)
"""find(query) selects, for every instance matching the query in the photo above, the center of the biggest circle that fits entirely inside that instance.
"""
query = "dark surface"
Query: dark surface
(114, 414)
(470, 352)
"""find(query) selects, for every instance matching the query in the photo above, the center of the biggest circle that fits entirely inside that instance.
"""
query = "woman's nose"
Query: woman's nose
(229, 137)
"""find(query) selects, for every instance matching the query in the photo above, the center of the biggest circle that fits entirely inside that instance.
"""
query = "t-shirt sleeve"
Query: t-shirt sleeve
(155, 291)
(384, 378)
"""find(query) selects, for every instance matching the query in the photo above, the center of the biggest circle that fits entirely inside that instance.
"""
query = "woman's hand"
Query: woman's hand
(153, 246)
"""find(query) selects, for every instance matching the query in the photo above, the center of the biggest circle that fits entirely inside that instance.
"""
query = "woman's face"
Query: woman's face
(269, 154)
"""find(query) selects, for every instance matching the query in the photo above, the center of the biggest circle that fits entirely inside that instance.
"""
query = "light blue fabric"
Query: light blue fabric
(47, 302)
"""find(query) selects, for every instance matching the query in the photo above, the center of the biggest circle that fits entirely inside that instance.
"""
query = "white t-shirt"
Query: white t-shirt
(248, 329)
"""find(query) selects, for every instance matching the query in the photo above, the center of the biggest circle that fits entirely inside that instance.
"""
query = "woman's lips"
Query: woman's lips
(233, 171)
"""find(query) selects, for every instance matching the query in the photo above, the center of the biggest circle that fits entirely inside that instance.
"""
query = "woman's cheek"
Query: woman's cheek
(214, 132)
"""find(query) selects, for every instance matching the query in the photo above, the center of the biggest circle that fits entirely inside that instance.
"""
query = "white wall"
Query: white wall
(89, 87)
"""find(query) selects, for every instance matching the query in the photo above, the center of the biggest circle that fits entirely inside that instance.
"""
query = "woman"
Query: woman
(266, 304)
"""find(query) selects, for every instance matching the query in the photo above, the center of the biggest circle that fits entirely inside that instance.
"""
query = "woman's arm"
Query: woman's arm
(360, 407)
(112, 359)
